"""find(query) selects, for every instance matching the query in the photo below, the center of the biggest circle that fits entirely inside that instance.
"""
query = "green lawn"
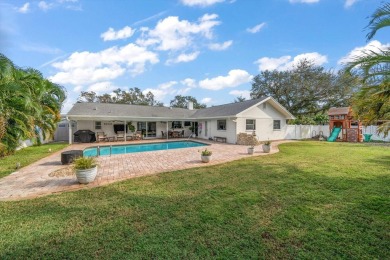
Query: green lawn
(311, 200)
(27, 156)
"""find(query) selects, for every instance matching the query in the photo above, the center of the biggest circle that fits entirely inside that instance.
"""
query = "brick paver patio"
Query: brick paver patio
(34, 180)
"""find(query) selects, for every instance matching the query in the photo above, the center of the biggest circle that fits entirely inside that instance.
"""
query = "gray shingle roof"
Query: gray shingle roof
(124, 110)
(231, 109)
(135, 111)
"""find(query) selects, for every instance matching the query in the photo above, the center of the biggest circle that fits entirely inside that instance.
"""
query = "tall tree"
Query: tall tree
(27, 101)
(239, 99)
(134, 96)
(182, 101)
(306, 89)
(372, 102)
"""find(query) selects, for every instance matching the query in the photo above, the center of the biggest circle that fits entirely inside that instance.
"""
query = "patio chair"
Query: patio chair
(138, 135)
(164, 135)
(182, 134)
(120, 136)
(101, 136)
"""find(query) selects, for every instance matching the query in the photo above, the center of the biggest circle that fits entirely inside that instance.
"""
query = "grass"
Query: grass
(312, 200)
(27, 156)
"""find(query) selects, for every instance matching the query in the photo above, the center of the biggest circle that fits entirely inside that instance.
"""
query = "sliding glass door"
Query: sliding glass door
(148, 129)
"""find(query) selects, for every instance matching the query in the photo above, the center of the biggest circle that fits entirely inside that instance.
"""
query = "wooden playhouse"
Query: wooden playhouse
(343, 126)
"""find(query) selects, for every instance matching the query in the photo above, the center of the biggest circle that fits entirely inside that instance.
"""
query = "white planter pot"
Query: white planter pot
(205, 158)
(266, 148)
(86, 176)
(251, 150)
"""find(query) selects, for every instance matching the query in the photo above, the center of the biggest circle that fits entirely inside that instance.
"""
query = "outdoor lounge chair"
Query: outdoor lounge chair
(101, 136)
(120, 136)
(137, 135)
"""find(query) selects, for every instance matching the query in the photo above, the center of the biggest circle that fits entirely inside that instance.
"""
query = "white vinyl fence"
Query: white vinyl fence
(308, 131)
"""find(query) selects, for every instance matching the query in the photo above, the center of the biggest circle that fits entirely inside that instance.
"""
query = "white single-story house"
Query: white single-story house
(265, 116)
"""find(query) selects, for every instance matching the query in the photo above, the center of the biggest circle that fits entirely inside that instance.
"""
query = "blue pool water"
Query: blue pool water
(137, 148)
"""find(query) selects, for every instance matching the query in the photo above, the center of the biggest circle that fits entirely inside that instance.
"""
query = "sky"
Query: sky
(208, 49)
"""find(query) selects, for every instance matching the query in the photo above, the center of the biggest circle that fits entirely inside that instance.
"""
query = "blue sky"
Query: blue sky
(209, 49)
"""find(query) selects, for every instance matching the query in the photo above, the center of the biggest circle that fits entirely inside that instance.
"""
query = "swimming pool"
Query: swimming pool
(137, 148)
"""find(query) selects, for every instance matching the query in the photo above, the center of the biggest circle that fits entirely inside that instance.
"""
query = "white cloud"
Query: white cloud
(206, 100)
(78, 89)
(361, 51)
(241, 93)
(234, 78)
(201, 3)
(286, 62)
(349, 3)
(162, 90)
(24, 9)
(184, 58)
(45, 6)
(304, 1)
(102, 87)
(172, 34)
(91, 67)
(191, 83)
(220, 46)
(256, 28)
(167, 85)
(111, 34)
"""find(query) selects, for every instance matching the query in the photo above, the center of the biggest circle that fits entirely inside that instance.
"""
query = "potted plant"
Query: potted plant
(252, 142)
(267, 146)
(86, 169)
(130, 127)
(206, 155)
(251, 149)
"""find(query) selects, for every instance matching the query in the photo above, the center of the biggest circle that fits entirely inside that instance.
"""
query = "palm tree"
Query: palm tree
(27, 102)
(372, 102)
(379, 19)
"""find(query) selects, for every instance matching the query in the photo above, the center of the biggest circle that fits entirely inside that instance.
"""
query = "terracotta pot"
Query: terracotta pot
(86, 176)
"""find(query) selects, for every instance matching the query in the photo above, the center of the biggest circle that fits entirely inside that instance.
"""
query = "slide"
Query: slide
(335, 133)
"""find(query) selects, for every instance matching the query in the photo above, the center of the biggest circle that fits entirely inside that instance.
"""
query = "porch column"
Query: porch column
(70, 131)
(125, 131)
(167, 130)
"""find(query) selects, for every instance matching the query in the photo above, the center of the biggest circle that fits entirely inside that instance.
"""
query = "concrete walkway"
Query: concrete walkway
(34, 180)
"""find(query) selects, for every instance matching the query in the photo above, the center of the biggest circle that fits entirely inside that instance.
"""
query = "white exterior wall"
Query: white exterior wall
(212, 131)
(264, 117)
(108, 127)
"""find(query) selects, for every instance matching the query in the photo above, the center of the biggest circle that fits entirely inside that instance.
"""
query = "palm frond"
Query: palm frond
(379, 19)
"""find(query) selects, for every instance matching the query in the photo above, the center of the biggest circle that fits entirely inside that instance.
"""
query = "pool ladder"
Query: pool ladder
(98, 150)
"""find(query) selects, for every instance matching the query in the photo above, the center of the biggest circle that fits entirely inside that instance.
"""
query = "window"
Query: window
(187, 123)
(276, 124)
(221, 124)
(250, 124)
(176, 124)
(98, 125)
(205, 128)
